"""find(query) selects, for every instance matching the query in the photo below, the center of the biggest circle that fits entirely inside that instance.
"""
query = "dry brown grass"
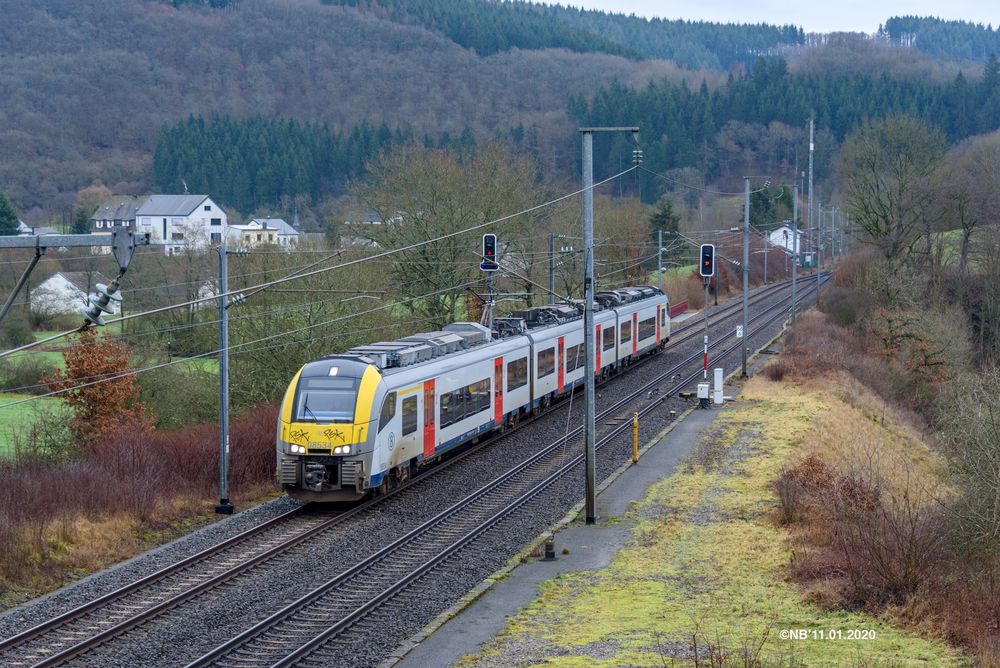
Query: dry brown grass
(867, 503)
(123, 494)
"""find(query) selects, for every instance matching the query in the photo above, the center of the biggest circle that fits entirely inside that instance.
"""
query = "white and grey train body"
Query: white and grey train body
(364, 420)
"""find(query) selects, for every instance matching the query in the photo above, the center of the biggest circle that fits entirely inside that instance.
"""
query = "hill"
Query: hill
(88, 86)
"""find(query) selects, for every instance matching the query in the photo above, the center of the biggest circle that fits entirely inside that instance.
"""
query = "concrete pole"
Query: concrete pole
(746, 272)
(659, 259)
(224, 507)
(795, 247)
(552, 268)
(809, 212)
(819, 239)
(589, 427)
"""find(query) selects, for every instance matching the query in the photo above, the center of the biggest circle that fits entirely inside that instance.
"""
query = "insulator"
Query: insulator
(99, 303)
(113, 296)
(92, 315)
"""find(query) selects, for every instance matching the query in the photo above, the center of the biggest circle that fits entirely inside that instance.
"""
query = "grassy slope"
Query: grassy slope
(18, 418)
(707, 560)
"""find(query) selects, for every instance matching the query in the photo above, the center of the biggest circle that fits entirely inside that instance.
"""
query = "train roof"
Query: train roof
(460, 337)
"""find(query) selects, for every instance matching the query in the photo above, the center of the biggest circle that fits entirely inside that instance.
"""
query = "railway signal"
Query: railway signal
(489, 262)
(707, 266)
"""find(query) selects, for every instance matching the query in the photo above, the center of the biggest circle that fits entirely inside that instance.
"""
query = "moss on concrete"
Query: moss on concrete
(706, 566)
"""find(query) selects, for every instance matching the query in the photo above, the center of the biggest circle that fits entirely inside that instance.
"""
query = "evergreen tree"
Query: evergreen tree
(81, 221)
(664, 218)
(8, 218)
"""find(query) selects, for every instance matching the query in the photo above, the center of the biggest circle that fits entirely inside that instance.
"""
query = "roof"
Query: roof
(119, 207)
(171, 205)
(274, 224)
(83, 280)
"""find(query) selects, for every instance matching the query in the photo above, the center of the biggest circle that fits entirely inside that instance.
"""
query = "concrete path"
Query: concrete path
(590, 548)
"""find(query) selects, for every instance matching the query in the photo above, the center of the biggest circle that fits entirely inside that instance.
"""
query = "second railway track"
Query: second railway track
(67, 636)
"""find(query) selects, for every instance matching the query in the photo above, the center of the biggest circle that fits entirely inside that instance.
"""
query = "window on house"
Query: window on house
(177, 236)
(216, 238)
(217, 221)
(208, 207)
(258, 236)
(100, 224)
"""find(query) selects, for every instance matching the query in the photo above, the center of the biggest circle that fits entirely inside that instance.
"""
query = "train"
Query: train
(360, 423)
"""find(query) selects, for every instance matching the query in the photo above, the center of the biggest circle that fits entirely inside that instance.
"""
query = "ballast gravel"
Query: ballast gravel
(219, 614)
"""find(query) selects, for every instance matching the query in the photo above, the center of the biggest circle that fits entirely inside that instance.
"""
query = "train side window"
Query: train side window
(609, 338)
(388, 411)
(647, 328)
(626, 334)
(546, 362)
(409, 415)
(517, 374)
(574, 357)
(663, 317)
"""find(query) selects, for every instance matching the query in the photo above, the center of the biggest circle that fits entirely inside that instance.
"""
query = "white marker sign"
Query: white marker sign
(739, 331)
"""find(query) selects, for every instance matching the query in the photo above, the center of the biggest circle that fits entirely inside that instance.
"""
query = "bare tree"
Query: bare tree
(889, 166)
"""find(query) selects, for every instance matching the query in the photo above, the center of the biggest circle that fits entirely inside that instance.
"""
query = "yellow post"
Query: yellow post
(635, 437)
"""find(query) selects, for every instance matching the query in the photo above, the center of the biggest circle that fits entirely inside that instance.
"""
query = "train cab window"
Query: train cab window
(388, 411)
(609, 338)
(626, 332)
(517, 374)
(325, 400)
(409, 415)
(546, 362)
(647, 328)
(663, 317)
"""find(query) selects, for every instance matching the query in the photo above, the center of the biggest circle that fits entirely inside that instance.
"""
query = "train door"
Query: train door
(635, 332)
(598, 343)
(498, 390)
(429, 405)
(561, 363)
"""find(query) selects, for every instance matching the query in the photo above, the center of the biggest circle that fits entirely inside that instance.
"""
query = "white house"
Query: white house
(25, 230)
(119, 211)
(260, 231)
(179, 222)
(65, 292)
(784, 238)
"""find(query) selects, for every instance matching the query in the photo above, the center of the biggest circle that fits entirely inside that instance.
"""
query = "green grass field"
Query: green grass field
(17, 419)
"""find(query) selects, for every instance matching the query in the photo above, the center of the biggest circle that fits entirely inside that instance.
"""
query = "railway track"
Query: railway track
(306, 631)
(62, 638)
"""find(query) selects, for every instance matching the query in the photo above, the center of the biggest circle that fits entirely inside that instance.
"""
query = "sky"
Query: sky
(822, 16)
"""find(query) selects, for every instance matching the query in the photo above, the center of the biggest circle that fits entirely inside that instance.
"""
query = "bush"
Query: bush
(179, 397)
(17, 331)
(136, 474)
(24, 372)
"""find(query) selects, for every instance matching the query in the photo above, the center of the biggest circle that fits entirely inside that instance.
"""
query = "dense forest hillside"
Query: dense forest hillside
(88, 86)
(491, 27)
(92, 91)
(960, 40)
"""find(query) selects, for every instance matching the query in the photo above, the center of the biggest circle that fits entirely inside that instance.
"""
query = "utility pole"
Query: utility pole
(746, 271)
(795, 247)
(819, 239)
(809, 212)
(224, 507)
(589, 428)
(552, 268)
(659, 260)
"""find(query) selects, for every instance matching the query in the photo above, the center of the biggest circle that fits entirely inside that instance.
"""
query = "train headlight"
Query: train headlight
(296, 449)
(342, 450)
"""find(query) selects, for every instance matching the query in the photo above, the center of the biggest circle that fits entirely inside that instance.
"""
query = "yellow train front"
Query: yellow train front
(325, 431)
